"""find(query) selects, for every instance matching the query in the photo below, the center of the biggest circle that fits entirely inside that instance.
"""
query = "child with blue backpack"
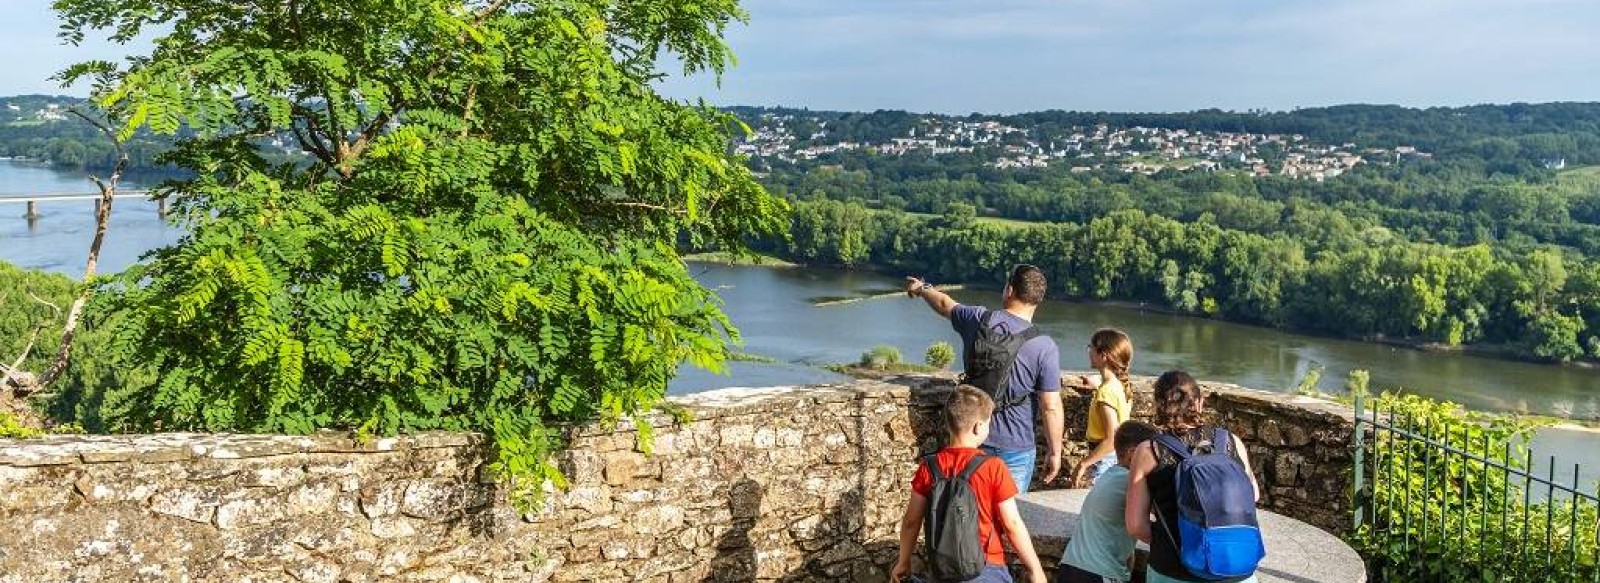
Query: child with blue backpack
(1196, 480)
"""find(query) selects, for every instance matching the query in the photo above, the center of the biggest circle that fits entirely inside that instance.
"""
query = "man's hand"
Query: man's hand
(1052, 466)
(901, 569)
(914, 286)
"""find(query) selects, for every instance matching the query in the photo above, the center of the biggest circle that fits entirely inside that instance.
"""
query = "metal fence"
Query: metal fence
(1443, 498)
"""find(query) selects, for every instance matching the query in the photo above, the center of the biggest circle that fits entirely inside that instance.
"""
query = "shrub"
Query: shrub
(940, 355)
(1433, 516)
(1308, 383)
(881, 356)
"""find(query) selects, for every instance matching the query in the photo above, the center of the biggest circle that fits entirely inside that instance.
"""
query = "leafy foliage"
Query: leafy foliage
(940, 355)
(1439, 517)
(881, 356)
(485, 241)
(33, 307)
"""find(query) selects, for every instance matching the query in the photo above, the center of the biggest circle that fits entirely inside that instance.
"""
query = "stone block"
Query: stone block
(659, 519)
(249, 512)
(621, 467)
(193, 504)
(382, 499)
(432, 499)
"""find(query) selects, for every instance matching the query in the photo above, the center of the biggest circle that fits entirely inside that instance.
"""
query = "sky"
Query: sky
(1000, 56)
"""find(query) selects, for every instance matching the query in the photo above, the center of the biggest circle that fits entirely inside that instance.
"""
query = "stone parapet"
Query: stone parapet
(775, 484)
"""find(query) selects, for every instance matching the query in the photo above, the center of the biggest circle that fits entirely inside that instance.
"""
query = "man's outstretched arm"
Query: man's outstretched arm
(941, 302)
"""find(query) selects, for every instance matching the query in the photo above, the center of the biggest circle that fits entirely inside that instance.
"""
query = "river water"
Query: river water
(775, 312)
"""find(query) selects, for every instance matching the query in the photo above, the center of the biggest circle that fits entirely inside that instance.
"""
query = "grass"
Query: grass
(755, 358)
(730, 259)
(1577, 180)
(994, 221)
(859, 371)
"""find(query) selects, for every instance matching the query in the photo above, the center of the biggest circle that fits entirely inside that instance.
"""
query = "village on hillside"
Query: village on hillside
(1082, 149)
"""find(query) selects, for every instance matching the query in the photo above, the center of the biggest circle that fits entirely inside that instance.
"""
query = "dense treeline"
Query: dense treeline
(1541, 304)
(1449, 208)
(73, 143)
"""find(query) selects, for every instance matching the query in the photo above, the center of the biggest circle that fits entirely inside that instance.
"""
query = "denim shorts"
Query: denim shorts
(1101, 466)
(1021, 463)
(994, 574)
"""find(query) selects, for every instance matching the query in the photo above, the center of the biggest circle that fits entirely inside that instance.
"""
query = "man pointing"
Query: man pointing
(1017, 365)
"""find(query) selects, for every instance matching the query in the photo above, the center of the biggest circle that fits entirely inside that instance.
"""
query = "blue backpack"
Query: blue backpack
(1218, 537)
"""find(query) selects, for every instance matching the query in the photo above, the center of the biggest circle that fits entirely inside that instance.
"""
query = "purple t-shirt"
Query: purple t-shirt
(1038, 370)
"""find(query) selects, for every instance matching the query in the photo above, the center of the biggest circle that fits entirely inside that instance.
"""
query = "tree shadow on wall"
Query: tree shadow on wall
(736, 553)
(843, 545)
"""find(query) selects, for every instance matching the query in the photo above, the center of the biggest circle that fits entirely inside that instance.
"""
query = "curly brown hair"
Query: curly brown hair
(1179, 401)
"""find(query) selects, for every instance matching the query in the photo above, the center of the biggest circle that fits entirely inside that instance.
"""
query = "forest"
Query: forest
(1489, 243)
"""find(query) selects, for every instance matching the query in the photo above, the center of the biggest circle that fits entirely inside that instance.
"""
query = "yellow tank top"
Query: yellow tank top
(1111, 393)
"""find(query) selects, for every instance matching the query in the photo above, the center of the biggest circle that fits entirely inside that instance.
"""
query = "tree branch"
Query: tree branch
(22, 383)
(466, 112)
(310, 144)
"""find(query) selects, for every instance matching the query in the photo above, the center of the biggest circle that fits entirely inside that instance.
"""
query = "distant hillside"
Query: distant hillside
(1535, 133)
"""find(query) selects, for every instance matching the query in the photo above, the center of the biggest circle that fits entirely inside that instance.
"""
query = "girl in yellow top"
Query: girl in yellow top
(1111, 353)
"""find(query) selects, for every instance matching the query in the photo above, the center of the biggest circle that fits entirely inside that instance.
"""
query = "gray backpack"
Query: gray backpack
(950, 531)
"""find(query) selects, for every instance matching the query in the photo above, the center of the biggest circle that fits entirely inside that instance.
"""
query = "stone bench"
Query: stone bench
(1296, 552)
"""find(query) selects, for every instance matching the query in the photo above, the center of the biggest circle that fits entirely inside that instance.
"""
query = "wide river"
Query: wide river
(775, 312)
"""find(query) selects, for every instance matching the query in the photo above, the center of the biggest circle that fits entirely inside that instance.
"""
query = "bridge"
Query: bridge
(32, 200)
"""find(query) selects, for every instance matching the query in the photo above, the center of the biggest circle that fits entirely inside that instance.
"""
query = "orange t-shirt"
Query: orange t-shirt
(991, 484)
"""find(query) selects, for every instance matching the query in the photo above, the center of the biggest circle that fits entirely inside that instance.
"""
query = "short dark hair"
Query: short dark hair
(1027, 284)
(1131, 434)
(968, 405)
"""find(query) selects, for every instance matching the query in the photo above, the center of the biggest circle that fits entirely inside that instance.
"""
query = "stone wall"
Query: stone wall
(773, 484)
(782, 484)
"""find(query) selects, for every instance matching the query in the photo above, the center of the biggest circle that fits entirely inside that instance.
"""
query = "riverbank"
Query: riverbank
(725, 258)
(1489, 351)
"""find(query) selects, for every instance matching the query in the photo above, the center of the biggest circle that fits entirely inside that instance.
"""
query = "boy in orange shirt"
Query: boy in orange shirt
(967, 418)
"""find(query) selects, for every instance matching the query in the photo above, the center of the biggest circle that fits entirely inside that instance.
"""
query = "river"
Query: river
(774, 311)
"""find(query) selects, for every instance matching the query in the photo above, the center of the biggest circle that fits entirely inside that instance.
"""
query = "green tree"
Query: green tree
(483, 241)
(1555, 336)
(940, 355)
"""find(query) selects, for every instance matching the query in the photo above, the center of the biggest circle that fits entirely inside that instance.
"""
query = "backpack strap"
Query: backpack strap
(1173, 445)
(1221, 441)
(973, 465)
(932, 462)
(985, 321)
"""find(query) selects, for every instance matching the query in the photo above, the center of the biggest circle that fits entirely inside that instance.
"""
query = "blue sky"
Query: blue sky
(1120, 55)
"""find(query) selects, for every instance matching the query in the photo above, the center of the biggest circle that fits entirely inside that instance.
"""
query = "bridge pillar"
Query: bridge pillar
(33, 210)
(161, 207)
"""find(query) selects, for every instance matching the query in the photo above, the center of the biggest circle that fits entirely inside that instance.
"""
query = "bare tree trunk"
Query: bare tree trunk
(23, 383)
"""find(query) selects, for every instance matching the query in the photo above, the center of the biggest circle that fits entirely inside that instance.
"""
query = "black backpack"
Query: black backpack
(993, 355)
(950, 531)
